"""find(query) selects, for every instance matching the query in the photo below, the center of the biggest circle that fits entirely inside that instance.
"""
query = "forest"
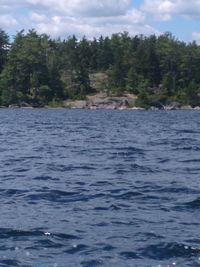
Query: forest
(38, 70)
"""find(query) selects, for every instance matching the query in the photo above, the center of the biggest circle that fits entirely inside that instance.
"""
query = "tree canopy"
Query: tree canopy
(38, 70)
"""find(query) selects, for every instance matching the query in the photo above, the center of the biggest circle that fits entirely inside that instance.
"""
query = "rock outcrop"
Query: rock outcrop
(102, 101)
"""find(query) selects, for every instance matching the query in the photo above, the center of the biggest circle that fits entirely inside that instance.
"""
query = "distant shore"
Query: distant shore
(103, 101)
(134, 108)
(166, 108)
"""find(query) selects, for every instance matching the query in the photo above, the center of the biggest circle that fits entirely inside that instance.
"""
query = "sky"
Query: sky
(92, 18)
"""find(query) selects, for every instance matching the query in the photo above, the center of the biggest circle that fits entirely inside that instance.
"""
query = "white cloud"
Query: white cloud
(37, 18)
(96, 8)
(165, 9)
(81, 17)
(88, 8)
(190, 8)
(7, 21)
(196, 37)
(161, 9)
(133, 22)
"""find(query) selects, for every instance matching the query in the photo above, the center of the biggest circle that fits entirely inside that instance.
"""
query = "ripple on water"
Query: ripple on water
(99, 188)
(163, 251)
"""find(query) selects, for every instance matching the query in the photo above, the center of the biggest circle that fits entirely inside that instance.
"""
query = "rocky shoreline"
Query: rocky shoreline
(167, 108)
(126, 102)
(102, 101)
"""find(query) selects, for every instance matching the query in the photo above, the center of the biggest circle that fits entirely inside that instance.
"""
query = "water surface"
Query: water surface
(99, 188)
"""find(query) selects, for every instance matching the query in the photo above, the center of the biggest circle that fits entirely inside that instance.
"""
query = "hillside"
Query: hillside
(156, 71)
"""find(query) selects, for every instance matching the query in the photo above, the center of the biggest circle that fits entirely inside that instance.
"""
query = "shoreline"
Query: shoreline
(102, 101)
(102, 108)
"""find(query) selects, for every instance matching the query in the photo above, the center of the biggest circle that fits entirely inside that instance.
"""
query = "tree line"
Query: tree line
(38, 70)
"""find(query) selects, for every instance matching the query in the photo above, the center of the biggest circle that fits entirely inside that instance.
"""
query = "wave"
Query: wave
(162, 251)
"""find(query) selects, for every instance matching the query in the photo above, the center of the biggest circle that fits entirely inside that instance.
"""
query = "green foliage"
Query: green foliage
(4, 45)
(192, 94)
(38, 70)
(132, 81)
(143, 100)
(55, 103)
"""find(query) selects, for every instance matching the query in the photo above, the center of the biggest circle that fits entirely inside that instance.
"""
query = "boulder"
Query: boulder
(13, 106)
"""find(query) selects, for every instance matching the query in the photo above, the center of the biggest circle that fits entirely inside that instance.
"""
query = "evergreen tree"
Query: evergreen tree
(4, 48)
(38, 70)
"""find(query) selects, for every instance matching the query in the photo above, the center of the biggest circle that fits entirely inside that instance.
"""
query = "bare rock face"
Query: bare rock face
(25, 105)
(186, 107)
(109, 102)
(13, 106)
(79, 104)
(102, 101)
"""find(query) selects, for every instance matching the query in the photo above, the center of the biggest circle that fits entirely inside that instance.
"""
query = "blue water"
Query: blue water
(99, 188)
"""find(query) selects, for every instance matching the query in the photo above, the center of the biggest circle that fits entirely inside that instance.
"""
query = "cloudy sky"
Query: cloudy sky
(61, 18)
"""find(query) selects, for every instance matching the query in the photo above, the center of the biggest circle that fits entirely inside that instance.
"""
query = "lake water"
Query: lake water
(99, 188)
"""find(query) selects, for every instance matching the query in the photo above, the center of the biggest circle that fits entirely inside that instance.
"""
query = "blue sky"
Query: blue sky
(92, 18)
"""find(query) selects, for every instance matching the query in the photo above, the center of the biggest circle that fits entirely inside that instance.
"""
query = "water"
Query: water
(99, 188)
